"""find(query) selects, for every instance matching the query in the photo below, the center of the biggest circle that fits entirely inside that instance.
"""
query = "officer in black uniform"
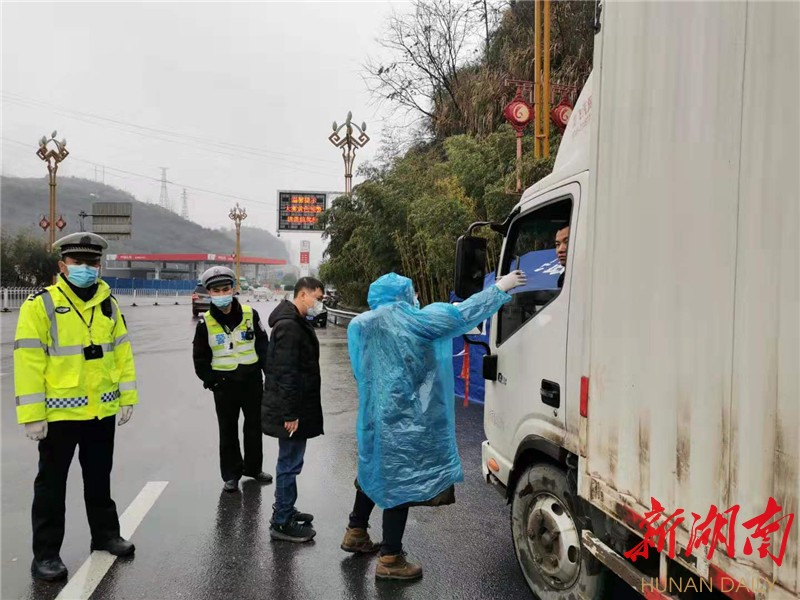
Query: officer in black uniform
(238, 389)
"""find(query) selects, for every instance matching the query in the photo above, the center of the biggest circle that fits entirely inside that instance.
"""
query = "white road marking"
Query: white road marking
(82, 585)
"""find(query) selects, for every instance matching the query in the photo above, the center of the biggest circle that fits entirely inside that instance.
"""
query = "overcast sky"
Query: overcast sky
(259, 84)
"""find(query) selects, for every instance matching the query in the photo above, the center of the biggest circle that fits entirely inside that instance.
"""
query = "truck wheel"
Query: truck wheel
(547, 538)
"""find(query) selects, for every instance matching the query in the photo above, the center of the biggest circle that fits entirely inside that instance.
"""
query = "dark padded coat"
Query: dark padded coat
(292, 380)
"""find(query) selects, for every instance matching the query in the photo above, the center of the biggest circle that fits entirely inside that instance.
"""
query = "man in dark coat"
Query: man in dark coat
(291, 409)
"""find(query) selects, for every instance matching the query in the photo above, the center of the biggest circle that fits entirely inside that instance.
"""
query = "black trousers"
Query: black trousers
(394, 522)
(95, 440)
(235, 396)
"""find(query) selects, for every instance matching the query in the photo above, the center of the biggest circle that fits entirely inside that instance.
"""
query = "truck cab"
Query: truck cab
(533, 371)
(659, 375)
(531, 405)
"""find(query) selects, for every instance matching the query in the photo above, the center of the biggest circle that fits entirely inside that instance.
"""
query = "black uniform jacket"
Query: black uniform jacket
(201, 351)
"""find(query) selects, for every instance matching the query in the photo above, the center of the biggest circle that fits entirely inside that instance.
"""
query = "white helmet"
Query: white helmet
(217, 276)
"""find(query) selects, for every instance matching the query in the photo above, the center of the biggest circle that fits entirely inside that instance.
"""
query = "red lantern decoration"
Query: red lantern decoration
(560, 114)
(518, 112)
(61, 223)
(44, 223)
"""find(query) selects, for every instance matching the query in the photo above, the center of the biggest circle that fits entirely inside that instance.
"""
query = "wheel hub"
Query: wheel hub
(553, 541)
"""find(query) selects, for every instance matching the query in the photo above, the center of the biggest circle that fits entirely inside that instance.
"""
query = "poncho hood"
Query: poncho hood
(390, 288)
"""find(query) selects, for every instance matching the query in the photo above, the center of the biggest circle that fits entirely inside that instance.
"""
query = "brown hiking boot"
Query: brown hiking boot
(396, 566)
(357, 540)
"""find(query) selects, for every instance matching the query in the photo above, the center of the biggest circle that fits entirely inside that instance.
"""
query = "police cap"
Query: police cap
(82, 242)
(217, 276)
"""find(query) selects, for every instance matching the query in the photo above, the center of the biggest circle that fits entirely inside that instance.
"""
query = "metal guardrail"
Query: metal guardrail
(11, 298)
(340, 317)
(128, 297)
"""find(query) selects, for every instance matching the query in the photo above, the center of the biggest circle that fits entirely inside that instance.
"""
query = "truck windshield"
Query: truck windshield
(531, 247)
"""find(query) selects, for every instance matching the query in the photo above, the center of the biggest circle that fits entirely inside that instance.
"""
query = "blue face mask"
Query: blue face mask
(82, 276)
(222, 301)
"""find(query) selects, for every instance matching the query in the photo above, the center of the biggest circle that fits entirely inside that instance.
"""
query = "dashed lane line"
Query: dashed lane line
(91, 573)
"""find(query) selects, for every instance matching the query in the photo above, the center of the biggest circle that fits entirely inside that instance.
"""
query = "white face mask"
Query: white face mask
(317, 309)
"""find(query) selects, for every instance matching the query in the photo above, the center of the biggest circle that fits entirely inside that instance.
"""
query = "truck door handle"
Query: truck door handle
(551, 393)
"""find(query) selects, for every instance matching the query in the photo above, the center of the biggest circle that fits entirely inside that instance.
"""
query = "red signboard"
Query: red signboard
(560, 114)
(518, 112)
(304, 258)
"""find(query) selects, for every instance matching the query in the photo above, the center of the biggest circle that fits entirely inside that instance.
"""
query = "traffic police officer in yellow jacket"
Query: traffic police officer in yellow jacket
(73, 372)
(229, 350)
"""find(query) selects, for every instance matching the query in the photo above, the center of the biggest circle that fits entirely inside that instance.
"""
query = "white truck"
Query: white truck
(664, 371)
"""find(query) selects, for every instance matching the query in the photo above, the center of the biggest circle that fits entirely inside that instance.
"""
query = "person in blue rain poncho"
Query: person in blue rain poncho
(402, 361)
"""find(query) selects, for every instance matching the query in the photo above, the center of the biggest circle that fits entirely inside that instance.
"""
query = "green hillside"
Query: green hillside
(22, 202)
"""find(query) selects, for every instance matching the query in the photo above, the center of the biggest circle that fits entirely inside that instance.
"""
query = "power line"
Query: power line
(151, 178)
(230, 145)
(224, 148)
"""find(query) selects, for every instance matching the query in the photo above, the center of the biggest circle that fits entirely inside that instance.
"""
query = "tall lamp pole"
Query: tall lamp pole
(354, 137)
(52, 152)
(541, 78)
(238, 215)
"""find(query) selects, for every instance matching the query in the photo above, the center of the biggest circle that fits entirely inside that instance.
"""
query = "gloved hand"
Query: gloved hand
(125, 414)
(514, 279)
(36, 431)
(214, 382)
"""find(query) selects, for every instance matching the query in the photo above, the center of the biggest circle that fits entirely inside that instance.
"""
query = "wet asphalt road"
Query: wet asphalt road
(198, 542)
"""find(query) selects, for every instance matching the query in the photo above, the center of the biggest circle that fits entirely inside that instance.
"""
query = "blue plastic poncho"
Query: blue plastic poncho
(402, 360)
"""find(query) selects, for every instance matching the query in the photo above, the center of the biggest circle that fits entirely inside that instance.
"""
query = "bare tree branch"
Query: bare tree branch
(428, 47)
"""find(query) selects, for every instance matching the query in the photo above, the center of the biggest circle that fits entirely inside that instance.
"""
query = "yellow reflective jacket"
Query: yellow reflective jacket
(53, 380)
(232, 348)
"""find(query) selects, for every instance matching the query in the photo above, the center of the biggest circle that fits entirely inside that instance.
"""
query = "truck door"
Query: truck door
(529, 334)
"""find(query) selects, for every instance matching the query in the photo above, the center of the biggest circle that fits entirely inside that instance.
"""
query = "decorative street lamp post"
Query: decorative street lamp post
(238, 215)
(349, 144)
(52, 156)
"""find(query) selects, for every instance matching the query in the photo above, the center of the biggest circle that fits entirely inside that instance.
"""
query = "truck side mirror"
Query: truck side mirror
(470, 265)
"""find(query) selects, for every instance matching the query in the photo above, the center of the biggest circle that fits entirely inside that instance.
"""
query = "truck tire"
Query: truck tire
(547, 538)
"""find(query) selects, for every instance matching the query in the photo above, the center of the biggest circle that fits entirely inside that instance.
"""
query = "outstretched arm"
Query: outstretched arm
(441, 320)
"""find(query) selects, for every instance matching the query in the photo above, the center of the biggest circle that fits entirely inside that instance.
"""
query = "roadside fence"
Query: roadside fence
(11, 298)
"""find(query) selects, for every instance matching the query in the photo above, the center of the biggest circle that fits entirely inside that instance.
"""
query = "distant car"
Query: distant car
(262, 293)
(201, 301)
(321, 320)
(331, 299)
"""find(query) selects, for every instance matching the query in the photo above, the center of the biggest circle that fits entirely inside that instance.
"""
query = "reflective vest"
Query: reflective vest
(232, 348)
(53, 379)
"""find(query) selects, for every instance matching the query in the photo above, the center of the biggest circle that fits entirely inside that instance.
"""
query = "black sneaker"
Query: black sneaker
(302, 517)
(292, 532)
